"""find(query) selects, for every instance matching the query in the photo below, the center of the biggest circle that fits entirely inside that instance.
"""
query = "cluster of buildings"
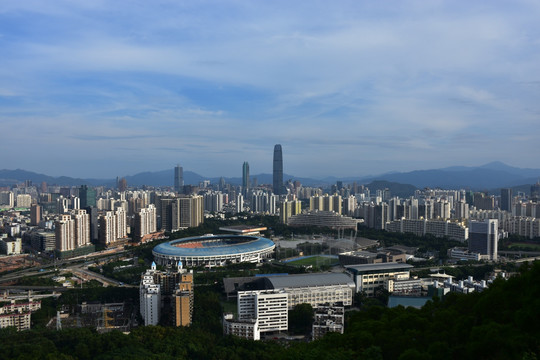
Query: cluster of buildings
(18, 314)
(167, 296)
(263, 302)
(116, 216)
(70, 221)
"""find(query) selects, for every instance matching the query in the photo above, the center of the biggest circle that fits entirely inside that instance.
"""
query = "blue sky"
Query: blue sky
(349, 88)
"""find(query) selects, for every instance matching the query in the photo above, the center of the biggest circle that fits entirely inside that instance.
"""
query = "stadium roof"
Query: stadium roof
(235, 244)
(305, 280)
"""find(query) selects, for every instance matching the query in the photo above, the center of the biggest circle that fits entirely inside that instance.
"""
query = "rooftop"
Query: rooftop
(311, 280)
(378, 267)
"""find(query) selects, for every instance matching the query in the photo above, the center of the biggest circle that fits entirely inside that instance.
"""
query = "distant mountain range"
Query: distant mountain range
(490, 176)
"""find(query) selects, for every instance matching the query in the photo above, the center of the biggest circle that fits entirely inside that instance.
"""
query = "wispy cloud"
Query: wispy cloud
(213, 84)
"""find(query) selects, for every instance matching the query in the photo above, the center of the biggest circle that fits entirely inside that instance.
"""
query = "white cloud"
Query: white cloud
(409, 77)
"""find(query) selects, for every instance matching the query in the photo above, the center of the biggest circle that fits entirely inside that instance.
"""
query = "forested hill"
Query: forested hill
(501, 323)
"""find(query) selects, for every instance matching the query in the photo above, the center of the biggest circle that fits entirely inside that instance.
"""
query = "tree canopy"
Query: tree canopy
(499, 323)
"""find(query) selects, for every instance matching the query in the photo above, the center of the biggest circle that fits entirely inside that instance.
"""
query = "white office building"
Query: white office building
(268, 307)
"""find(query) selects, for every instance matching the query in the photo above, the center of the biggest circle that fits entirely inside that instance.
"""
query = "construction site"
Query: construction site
(102, 317)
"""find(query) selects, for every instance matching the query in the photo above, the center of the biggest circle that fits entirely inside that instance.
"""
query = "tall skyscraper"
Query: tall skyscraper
(506, 199)
(87, 196)
(278, 170)
(122, 185)
(178, 179)
(245, 175)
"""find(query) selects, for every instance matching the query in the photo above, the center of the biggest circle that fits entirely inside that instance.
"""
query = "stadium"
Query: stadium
(213, 250)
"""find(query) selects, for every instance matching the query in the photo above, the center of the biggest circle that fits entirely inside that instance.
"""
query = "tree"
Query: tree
(301, 319)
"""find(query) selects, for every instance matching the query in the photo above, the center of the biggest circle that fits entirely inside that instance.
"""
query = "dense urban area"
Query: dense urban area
(268, 271)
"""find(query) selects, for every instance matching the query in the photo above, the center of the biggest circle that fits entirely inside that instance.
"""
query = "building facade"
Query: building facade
(368, 278)
(484, 237)
(268, 307)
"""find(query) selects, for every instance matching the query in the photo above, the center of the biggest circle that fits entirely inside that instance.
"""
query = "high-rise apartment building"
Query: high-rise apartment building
(150, 297)
(72, 231)
(239, 203)
(187, 211)
(214, 201)
(326, 203)
(112, 226)
(174, 288)
(278, 170)
(462, 210)
(35, 214)
(182, 298)
(24, 201)
(178, 179)
(64, 230)
(484, 237)
(288, 209)
(145, 222)
(82, 227)
(262, 202)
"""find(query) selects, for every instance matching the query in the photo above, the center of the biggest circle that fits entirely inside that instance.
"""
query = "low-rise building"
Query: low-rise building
(314, 289)
(11, 246)
(409, 287)
(463, 254)
(370, 277)
(247, 329)
(328, 318)
(463, 286)
(18, 314)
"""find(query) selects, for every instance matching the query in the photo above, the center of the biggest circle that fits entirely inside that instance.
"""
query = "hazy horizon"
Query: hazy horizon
(239, 175)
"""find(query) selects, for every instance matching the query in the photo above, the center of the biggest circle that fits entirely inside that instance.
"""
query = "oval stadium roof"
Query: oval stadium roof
(238, 245)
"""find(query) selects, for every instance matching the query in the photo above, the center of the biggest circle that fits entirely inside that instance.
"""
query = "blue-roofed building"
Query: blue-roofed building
(214, 250)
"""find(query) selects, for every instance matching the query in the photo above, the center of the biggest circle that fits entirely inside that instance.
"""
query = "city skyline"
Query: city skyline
(351, 88)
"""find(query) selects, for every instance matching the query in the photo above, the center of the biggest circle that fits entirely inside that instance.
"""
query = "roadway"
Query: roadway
(52, 267)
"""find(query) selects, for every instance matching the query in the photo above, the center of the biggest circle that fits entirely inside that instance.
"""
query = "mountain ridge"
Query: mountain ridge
(492, 175)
